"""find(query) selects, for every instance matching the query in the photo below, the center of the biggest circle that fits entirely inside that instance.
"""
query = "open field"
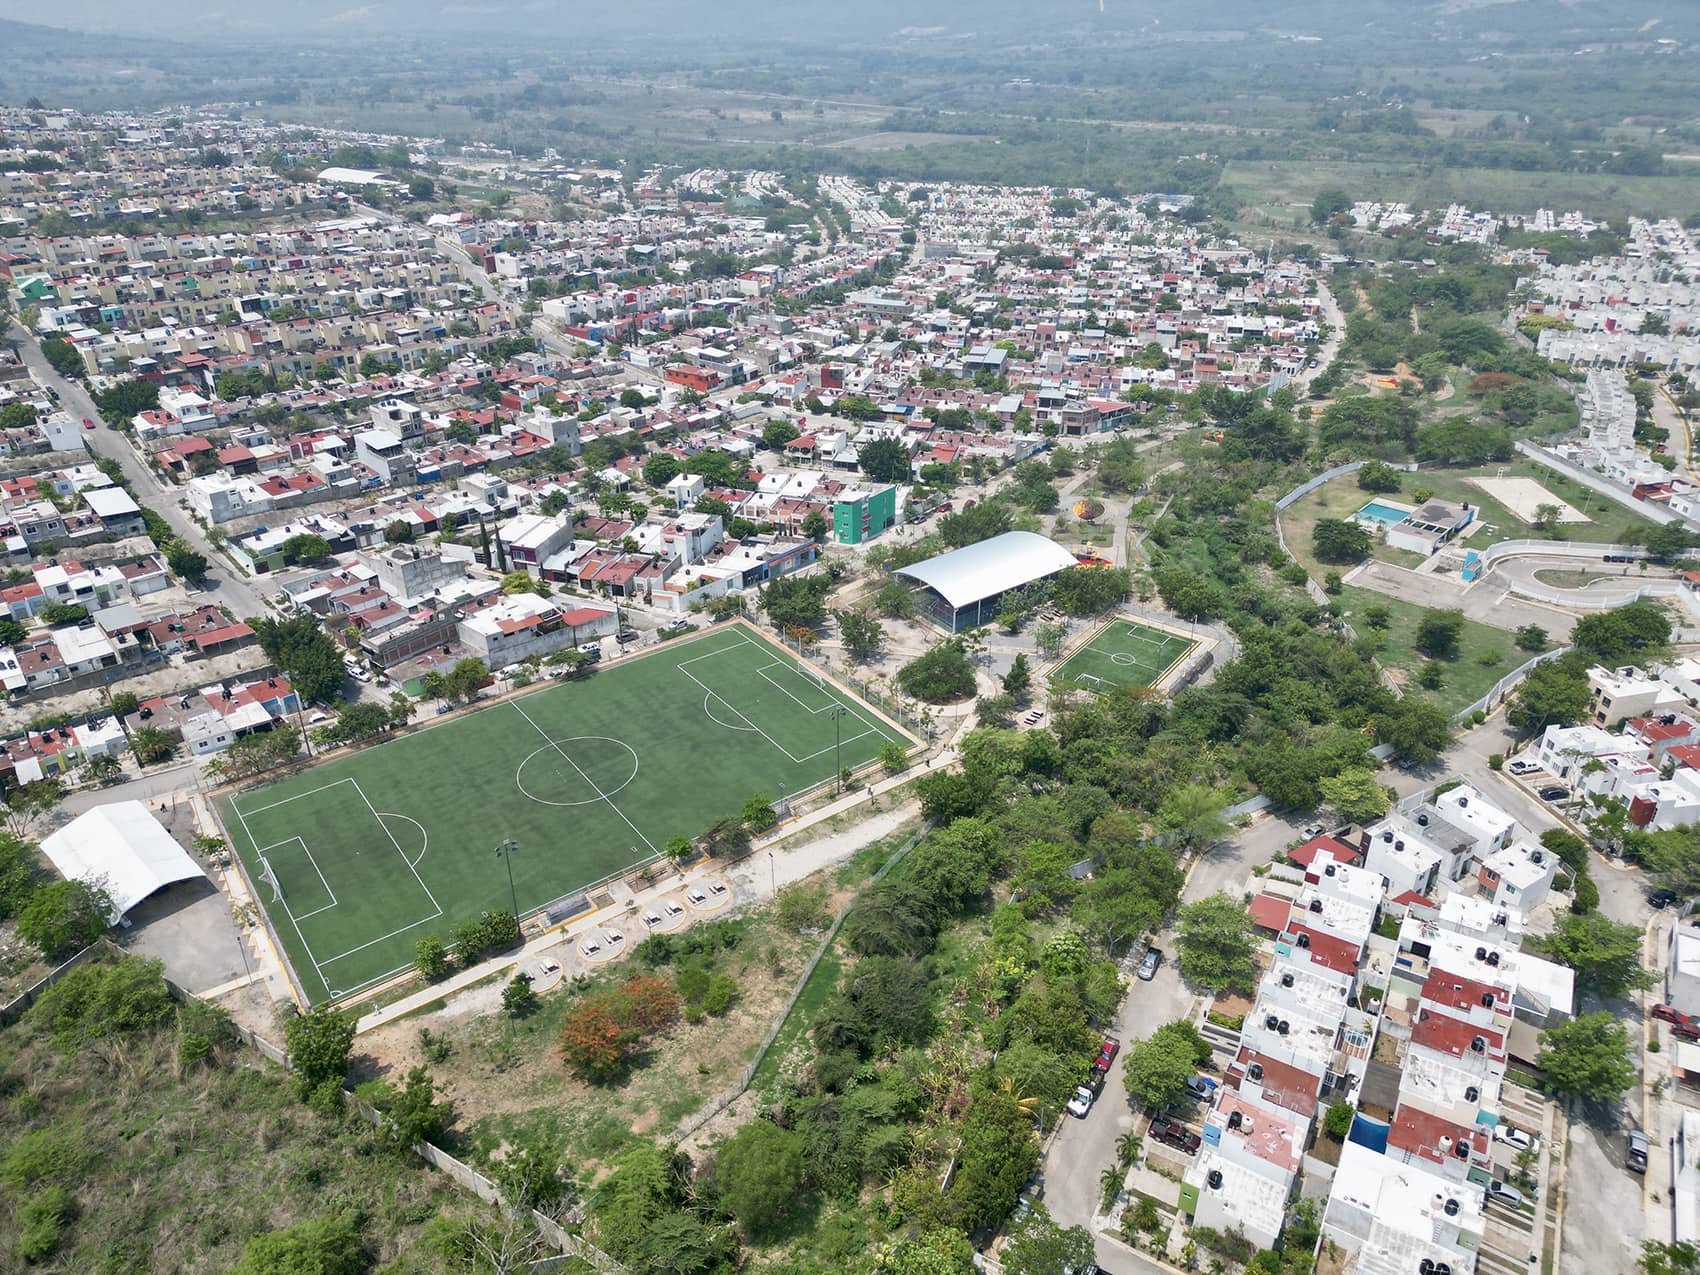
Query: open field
(1485, 654)
(379, 848)
(1122, 653)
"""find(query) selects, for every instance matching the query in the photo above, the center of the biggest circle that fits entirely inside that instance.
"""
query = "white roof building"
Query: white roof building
(1399, 1217)
(123, 847)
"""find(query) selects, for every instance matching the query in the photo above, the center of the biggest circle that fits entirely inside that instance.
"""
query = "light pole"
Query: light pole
(772, 877)
(505, 852)
(838, 711)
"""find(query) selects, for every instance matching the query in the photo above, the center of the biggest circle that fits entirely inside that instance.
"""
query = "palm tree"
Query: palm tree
(1110, 1184)
(1127, 1148)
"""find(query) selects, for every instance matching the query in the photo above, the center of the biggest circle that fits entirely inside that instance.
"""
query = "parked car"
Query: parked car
(1505, 1194)
(88, 423)
(1107, 1053)
(1524, 768)
(1670, 1013)
(1519, 1138)
(1033, 718)
(1081, 1103)
(1313, 830)
(678, 623)
(1635, 1152)
(1201, 1087)
(1148, 966)
(1663, 897)
(1175, 1135)
(1553, 792)
(628, 635)
(1689, 1030)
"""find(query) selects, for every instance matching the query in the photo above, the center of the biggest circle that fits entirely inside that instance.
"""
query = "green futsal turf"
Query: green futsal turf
(1124, 653)
(380, 848)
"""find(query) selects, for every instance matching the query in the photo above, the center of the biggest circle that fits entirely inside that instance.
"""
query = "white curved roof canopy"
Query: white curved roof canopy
(122, 847)
(968, 575)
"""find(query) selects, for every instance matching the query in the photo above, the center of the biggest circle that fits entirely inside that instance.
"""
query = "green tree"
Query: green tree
(815, 525)
(941, 675)
(305, 652)
(1215, 940)
(1438, 633)
(28, 804)
(775, 434)
(1090, 590)
(20, 873)
(63, 917)
(884, 460)
(1678, 1258)
(518, 1000)
(1635, 633)
(894, 756)
(1157, 1068)
(863, 636)
(1532, 638)
(1195, 812)
(306, 548)
(1378, 476)
(1338, 1122)
(318, 1246)
(1019, 680)
(1554, 693)
(1605, 955)
(1038, 1246)
(933, 1252)
(431, 958)
(1587, 1058)
(758, 812)
(186, 563)
(1335, 540)
(319, 1043)
(758, 1175)
(1356, 794)
(660, 469)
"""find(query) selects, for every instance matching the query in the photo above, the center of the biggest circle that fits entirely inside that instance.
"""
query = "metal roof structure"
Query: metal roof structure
(122, 847)
(971, 574)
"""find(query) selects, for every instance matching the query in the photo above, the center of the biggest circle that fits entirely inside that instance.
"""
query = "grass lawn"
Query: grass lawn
(378, 848)
(1467, 678)
(1123, 653)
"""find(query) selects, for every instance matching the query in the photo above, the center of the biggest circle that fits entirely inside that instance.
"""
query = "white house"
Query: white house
(1519, 876)
(1615, 694)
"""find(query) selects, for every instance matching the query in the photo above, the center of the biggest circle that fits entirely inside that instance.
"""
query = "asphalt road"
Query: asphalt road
(224, 584)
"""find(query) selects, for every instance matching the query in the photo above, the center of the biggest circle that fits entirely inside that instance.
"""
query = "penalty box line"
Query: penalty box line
(871, 728)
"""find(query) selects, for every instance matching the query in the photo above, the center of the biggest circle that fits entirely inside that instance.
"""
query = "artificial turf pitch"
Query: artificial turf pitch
(1122, 653)
(380, 848)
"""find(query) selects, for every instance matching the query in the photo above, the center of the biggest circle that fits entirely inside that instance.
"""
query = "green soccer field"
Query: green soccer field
(376, 850)
(1124, 653)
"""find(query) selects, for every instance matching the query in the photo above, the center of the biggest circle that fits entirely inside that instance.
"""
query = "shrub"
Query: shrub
(41, 1221)
(1338, 1122)
(1496, 761)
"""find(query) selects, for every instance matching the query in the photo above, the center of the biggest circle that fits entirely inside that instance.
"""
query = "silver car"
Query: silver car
(1148, 966)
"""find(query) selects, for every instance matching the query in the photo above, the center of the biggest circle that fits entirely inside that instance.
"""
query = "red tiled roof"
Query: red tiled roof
(1270, 913)
(1331, 847)
(1456, 991)
(1283, 1084)
(1420, 1132)
(1445, 1034)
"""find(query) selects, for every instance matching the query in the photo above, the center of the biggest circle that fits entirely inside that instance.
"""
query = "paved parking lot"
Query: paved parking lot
(1519, 1237)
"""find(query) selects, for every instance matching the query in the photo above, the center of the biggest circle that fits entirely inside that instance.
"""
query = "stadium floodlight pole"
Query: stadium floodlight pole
(838, 711)
(505, 852)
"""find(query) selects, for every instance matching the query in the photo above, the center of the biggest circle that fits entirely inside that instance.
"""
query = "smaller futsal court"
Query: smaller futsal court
(1122, 653)
(358, 859)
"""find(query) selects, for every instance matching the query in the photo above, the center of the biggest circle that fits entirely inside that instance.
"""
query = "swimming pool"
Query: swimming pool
(1375, 511)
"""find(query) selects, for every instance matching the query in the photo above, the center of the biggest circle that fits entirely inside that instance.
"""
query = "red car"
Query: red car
(1176, 1135)
(1107, 1053)
(87, 423)
(1670, 1014)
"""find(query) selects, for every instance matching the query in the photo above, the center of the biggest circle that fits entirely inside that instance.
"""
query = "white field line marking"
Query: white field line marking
(593, 788)
(373, 942)
(424, 837)
(758, 730)
(711, 717)
(378, 819)
(297, 797)
(305, 945)
(871, 727)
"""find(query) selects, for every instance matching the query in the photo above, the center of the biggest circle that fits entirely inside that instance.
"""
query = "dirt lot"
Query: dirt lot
(503, 1075)
(897, 141)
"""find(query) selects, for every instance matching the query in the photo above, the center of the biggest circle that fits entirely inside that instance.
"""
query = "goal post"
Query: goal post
(269, 877)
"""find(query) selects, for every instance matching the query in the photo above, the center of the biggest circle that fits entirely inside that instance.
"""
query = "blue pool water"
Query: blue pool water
(1381, 513)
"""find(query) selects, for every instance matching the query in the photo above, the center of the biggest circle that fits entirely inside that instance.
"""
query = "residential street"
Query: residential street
(224, 584)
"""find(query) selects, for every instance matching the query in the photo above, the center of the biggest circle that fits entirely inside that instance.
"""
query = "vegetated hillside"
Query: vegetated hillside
(137, 1136)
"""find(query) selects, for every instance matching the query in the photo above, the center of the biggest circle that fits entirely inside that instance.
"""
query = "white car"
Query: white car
(1524, 768)
(1081, 1103)
(1518, 1138)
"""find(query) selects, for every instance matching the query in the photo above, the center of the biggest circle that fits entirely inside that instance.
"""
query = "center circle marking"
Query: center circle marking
(556, 748)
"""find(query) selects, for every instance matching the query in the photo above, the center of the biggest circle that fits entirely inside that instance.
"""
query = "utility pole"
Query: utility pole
(505, 852)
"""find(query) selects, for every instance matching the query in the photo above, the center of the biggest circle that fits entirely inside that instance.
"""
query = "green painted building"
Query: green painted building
(861, 514)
